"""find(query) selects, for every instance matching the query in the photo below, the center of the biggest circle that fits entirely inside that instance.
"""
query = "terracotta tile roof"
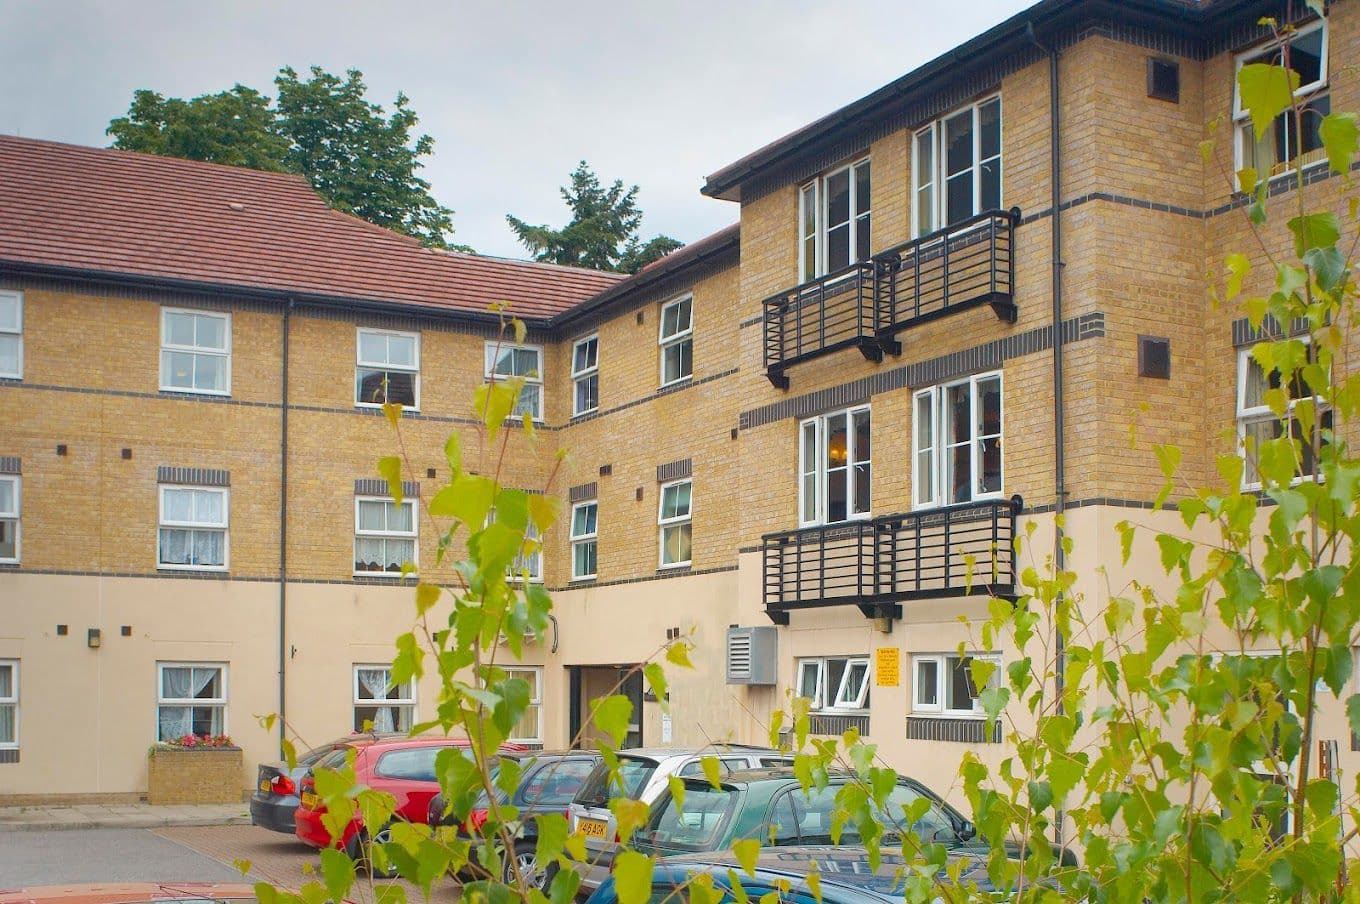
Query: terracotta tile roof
(122, 213)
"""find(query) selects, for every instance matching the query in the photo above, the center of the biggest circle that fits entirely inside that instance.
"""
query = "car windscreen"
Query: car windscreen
(633, 775)
(814, 813)
(696, 823)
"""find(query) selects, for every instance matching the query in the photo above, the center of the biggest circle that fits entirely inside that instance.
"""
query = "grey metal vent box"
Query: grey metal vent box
(752, 655)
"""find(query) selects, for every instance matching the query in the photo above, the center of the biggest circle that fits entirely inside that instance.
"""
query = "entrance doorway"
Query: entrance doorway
(589, 682)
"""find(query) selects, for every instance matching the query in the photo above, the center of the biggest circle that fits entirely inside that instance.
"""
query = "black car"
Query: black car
(547, 784)
(276, 787)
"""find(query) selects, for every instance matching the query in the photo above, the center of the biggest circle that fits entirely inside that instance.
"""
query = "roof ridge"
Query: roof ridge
(502, 259)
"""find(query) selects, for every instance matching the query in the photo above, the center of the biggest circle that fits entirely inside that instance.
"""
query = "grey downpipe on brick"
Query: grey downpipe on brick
(1059, 425)
(283, 533)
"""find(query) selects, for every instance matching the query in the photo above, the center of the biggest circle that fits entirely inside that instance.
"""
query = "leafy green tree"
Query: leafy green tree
(602, 233)
(361, 160)
(235, 127)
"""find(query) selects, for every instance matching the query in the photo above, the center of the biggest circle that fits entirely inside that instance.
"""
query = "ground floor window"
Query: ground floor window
(379, 704)
(191, 700)
(530, 727)
(942, 684)
(835, 682)
(9, 703)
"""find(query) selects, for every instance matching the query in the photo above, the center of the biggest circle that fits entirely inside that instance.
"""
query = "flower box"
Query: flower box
(197, 775)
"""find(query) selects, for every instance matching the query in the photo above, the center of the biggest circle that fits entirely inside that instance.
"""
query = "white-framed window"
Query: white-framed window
(525, 361)
(529, 562)
(529, 729)
(1283, 141)
(942, 684)
(380, 703)
(834, 682)
(9, 704)
(11, 335)
(834, 467)
(191, 699)
(956, 441)
(195, 351)
(676, 338)
(387, 369)
(585, 375)
(584, 533)
(674, 516)
(956, 166)
(834, 220)
(11, 503)
(1257, 423)
(193, 528)
(384, 535)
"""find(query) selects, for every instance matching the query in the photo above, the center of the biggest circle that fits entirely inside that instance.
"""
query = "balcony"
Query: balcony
(876, 565)
(864, 305)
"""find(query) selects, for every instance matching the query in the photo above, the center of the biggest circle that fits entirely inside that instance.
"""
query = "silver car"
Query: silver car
(644, 772)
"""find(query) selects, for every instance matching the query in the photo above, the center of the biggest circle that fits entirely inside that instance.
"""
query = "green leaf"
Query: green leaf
(512, 509)
(747, 850)
(632, 877)
(656, 683)
(427, 596)
(392, 411)
(611, 715)
(543, 510)
(566, 883)
(453, 454)
(468, 499)
(1266, 91)
(1169, 457)
(1339, 136)
(1314, 230)
(678, 654)
(552, 836)
(677, 788)
(1040, 796)
(1238, 268)
(494, 402)
(1328, 265)
(712, 770)
(337, 869)
(242, 865)
(389, 467)
(1246, 179)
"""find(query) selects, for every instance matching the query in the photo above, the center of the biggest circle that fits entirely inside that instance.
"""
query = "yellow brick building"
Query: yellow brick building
(786, 440)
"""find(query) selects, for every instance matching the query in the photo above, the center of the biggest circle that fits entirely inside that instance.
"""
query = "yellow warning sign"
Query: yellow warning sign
(887, 667)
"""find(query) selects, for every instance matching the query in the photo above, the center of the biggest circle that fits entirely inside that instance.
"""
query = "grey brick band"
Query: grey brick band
(583, 492)
(675, 470)
(373, 486)
(203, 477)
(9, 464)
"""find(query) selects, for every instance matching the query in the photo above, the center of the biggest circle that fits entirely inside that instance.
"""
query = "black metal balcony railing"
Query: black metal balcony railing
(962, 266)
(952, 551)
(864, 305)
(820, 316)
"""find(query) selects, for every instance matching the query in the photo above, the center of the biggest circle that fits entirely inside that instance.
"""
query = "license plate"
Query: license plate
(593, 828)
(264, 785)
(310, 800)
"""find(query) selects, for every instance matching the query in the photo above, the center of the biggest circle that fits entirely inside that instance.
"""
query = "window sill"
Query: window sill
(585, 579)
(385, 575)
(207, 569)
(675, 566)
(378, 406)
(182, 391)
(948, 716)
(675, 384)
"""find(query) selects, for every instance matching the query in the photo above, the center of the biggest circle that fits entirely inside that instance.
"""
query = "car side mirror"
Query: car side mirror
(966, 831)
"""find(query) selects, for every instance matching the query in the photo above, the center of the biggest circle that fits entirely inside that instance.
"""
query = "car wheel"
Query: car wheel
(360, 846)
(525, 859)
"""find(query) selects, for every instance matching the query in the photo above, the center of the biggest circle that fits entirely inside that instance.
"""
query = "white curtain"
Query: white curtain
(181, 684)
(375, 682)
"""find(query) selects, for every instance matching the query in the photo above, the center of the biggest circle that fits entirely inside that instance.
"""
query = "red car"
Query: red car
(401, 766)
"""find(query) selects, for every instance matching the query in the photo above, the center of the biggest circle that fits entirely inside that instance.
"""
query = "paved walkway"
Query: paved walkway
(127, 816)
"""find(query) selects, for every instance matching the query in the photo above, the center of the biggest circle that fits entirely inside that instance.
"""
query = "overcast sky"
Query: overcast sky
(513, 92)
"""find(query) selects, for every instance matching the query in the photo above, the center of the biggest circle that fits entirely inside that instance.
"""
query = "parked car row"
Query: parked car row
(757, 796)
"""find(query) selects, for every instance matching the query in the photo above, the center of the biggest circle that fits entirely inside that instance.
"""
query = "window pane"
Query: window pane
(925, 181)
(587, 393)
(7, 505)
(6, 682)
(675, 318)
(401, 351)
(368, 554)
(676, 543)
(808, 673)
(177, 369)
(529, 401)
(9, 538)
(862, 191)
(990, 188)
(177, 505)
(583, 562)
(989, 128)
(209, 547)
(959, 198)
(9, 313)
(210, 332)
(584, 355)
(675, 501)
(398, 553)
(835, 673)
(583, 520)
(401, 388)
(400, 517)
(837, 248)
(371, 515)
(961, 689)
(838, 199)
(179, 328)
(927, 682)
(209, 507)
(958, 143)
(527, 727)
(862, 226)
(1305, 57)
(9, 353)
(373, 348)
(210, 372)
(207, 684)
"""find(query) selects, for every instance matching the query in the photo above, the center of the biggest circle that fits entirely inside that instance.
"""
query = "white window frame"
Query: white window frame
(591, 537)
(585, 373)
(492, 353)
(819, 468)
(360, 363)
(12, 701)
(413, 534)
(193, 701)
(224, 527)
(934, 133)
(824, 700)
(406, 702)
(817, 231)
(17, 330)
(15, 516)
(663, 523)
(941, 707)
(531, 561)
(666, 342)
(1263, 414)
(225, 352)
(937, 493)
(535, 700)
(1243, 130)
